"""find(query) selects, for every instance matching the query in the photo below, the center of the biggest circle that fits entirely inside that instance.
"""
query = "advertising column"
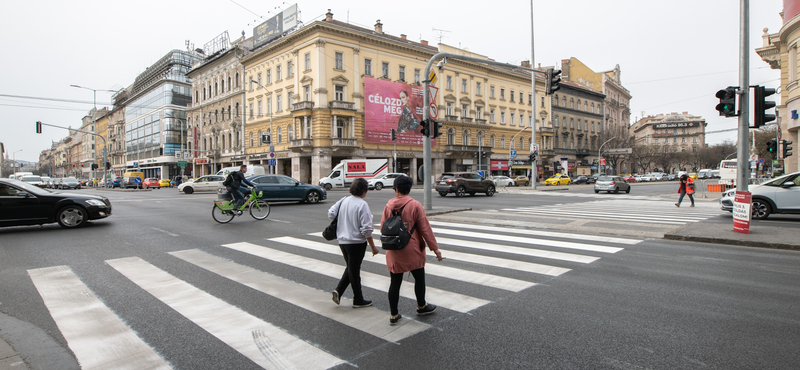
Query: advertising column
(742, 204)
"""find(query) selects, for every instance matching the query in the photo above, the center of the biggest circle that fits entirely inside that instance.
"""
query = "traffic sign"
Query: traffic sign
(432, 78)
(272, 155)
(135, 164)
(513, 153)
(433, 110)
(177, 154)
(182, 164)
(273, 162)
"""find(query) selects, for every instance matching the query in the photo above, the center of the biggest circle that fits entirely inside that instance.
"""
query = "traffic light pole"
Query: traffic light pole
(742, 165)
(534, 167)
(105, 152)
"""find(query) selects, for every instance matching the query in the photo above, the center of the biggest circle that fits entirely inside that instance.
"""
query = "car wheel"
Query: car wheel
(328, 186)
(527, 183)
(461, 191)
(596, 191)
(761, 209)
(628, 191)
(188, 190)
(378, 186)
(443, 193)
(145, 187)
(312, 197)
(616, 190)
(490, 191)
(72, 216)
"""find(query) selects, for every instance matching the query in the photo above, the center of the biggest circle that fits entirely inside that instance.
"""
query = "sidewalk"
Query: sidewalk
(10, 359)
(760, 236)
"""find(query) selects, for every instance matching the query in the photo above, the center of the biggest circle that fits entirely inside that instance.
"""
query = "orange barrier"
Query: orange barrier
(716, 188)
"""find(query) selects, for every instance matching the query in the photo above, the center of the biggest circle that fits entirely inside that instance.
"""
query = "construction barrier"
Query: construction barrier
(716, 188)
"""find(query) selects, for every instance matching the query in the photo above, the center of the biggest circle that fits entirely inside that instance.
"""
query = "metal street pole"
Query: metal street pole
(534, 167)
(14, 160)
(94, 123)
(270, 124)
(598, 152)
(744, 93)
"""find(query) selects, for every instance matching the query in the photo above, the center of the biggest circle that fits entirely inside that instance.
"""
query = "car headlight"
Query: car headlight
(95, 202)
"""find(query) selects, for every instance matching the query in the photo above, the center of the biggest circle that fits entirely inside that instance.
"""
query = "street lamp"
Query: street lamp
(94, 125)
(598, 152)
(270, 121)
(14, 157)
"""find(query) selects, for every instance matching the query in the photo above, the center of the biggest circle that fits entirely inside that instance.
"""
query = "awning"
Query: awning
(521, 167)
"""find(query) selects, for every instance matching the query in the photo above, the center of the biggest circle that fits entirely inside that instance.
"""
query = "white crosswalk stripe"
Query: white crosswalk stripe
(626, 210)
(483, 260)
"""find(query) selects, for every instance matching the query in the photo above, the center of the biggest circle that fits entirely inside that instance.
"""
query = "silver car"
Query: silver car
(779, 195)
(611, 184)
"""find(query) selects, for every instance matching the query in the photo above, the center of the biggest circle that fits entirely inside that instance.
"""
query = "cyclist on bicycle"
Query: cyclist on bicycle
(234, 186)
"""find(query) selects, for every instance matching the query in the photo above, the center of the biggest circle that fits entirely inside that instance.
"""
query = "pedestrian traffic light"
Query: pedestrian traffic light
(727, 102)
(761, 118)
(552, 80)
(425, 129)
(435, 126)
(394, 134)
(772, 146)
(786, 148)
(38, 127)
(108, 165)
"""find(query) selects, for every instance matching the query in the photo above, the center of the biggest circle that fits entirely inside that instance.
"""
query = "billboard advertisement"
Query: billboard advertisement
(392, 105)
(275, 26)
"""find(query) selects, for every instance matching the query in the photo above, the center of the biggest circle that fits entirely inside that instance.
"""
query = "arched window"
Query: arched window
(521, 147)
(216, 116)
(502, 142)
(237, 79)
(556, 100)
(564, 102)
(280, 135)
(572, 103)
(586, 106)
(451, 136)
(339, 128)
(555, 121)
(579, 104)
(592, 107)
(491, 141)
(222, 85)
(216, 89)
(223, 143)
(465, 139)
(571, 123)
(237, 109)
(229, 83)
(251, 139)
(230, 140)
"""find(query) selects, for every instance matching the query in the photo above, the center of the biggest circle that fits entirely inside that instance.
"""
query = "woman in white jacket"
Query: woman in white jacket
(354, 232)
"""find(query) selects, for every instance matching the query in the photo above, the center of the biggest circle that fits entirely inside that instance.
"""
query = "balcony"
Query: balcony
(546, 130)
(582, 152)
(343, 144)
(451, 118)
(301, 145)
(466, 119)
(480, 121)
(342, 105)
(463, 148)
(547, 153)
(303, 105)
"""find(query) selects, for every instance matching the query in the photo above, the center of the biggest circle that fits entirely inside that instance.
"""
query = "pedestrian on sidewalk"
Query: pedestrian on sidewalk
(354, 232)
(412, 257)
(686, 187)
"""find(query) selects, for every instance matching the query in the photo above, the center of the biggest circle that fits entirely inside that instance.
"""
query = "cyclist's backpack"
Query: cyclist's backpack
(394, 235)
(228, 180)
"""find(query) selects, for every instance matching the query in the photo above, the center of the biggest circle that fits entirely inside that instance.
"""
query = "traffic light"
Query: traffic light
(426, 128)
(94, 166)
(727, 102)
(38, 127)
(761, 118)
(553, 78)
(435, 126)
(532, 157)
(772, 146)
(108, 165)
(786, 148)
(394, 134)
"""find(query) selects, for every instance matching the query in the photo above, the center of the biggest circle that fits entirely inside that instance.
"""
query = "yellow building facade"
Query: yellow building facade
(305, 95)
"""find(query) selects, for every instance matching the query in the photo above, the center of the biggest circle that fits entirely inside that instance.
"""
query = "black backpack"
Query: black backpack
(228, 180)
(394, 235)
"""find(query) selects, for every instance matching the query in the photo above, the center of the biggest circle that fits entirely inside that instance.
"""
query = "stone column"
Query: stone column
(322, 83)
(356, 79)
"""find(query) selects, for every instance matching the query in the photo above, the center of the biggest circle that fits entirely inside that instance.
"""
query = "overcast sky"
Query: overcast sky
(674, 55)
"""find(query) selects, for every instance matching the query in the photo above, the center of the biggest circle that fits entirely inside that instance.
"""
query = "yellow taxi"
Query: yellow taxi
(558, 179)
(693, 175)
(164, 183)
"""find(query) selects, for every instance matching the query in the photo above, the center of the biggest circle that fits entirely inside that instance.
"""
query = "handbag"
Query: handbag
(330, 232)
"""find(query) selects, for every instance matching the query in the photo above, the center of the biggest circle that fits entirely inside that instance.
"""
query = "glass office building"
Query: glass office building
(155, 116)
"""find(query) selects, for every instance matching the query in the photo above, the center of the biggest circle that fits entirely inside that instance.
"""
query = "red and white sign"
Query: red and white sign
(742, 203)
(602, 161)
(432, 108)
(499, 165)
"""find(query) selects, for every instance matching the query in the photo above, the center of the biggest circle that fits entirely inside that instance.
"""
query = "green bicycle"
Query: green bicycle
(225, 210)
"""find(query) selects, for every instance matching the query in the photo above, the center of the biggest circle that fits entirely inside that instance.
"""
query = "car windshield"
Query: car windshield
(70, 179)
(31, 179)
(777, 182)
(605, 178)
(30, 188)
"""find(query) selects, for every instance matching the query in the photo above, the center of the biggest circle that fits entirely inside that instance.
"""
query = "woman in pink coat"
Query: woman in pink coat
(412, 257)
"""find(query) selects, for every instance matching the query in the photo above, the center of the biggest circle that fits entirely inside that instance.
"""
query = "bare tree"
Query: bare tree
(616, 138)
(642, 156)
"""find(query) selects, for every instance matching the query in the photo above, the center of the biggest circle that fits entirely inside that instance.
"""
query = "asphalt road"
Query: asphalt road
(561, 299)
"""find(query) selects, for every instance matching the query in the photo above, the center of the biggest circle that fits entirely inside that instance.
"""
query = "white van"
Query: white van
(252, 170)
(18, 175)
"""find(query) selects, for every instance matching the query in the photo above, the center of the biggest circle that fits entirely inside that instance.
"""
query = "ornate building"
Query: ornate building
(578, 127)
(672, 132)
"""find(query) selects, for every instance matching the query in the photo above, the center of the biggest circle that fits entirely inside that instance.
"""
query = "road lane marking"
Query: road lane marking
(368, 320)
(263, 343)
(525, 240)
(164, 231)
(95, 334)
(518, 250)
(450, 300)
(508, 230)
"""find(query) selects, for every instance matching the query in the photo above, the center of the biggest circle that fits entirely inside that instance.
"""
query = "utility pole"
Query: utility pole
(743, 168)
(534, 167)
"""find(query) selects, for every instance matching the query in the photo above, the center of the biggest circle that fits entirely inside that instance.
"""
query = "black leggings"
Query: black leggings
(419, 288)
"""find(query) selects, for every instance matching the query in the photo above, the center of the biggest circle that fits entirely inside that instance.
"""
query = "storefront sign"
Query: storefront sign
(676, 125)
(499, 165)
(741, 211)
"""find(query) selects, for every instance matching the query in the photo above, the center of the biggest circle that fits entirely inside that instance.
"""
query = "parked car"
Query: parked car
(658, 176)
(693, 175)
(381, 181)
(581, 180)
(638, 178)
(151, 182)
(277, 188)
(672, 177)
(165, 183)
(203, 183)
(522, 181)
(628, 178)
(558, 179)
(24, 204)
(68, 183)
(502, 181)
(462, 183)
(780, 195)
(611, 184)
(593, 178)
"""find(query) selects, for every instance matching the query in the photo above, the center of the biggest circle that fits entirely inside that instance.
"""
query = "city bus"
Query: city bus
(727, 172)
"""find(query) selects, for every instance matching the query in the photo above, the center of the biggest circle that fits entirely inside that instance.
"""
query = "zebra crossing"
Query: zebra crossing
(499, 260)
(626, 210)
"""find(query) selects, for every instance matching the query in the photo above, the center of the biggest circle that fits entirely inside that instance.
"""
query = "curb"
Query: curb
(739, 243)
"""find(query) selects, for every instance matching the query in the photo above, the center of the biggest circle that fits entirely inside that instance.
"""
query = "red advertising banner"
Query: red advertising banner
(742, 203)
(392, 105)
(499, 166)
(356, 166)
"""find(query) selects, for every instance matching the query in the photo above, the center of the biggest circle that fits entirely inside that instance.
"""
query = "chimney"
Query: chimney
(402, 36)
(424, 42)
(526, 63)
(378, 26)
(328, 16)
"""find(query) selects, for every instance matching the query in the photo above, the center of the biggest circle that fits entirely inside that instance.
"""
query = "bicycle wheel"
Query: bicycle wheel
(259, 209)
(221, 216)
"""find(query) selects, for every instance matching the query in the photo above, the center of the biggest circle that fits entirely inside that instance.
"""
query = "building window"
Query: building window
(338, 93)
(368, 67)
(491, 115)
(694, 140)
(237, 109)
(463, 85)
(579, 124)
(464, 110)
(555, 121)
(416, 75)
(269, 76)
(512, 118)
(289, 97)
(491, 92)
(402, 73)
(502, 93)
(592, 126)
(280, 103)
(251, 111)
(593, 108)
(237, 79)
(465, 137)
(503, 117)
(571, 123)
(572, 103)
(449, 83)
(280, 135)
(503, 142)
(338, 61)
(260, 112)
(585, 125)
(278, 73)
(449, 110)
(477, 88)
(385, 68)
(542, 100)
(259, 79)
(269, 106)
(491, 141)
(585, 106)
(307, 92)
(479, 114)
(510, 95)
(307, 57)
(579, 104)
(289, 69)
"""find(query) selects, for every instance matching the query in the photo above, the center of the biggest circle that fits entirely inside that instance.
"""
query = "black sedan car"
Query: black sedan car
(26, 204)
(581, 180)
(278, 188)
